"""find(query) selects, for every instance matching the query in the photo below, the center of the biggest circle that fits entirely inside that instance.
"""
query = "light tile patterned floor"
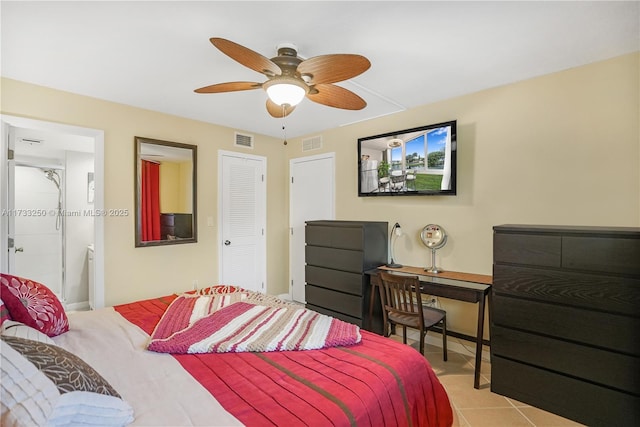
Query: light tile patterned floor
(480, 407)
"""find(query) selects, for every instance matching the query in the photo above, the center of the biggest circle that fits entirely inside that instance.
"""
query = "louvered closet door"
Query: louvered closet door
(242, 191)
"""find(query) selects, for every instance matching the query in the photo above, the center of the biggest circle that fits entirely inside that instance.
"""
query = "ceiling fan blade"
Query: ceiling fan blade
(336, 96)
(278, 111)
(229, 87)
(333, 68)
(246, 57)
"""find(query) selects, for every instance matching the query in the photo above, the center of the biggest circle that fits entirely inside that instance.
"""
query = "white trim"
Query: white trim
(77, 306)
(98, 137)
(453, 343)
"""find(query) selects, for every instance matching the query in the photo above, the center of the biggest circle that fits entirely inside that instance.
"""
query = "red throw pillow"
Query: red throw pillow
(33, 304)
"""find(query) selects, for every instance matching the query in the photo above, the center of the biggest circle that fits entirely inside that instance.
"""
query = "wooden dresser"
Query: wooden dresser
(176, 224)
(565, 321)
(337, 254)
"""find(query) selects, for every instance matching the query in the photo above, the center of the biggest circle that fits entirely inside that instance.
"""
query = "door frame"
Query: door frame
(6, 121)
(263, 160)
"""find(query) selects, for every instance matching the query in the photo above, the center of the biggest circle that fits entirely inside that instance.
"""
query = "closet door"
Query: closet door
(242, 220)
(311, 197)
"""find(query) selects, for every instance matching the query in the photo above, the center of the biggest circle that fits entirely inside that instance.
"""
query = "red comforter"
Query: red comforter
(376, 383)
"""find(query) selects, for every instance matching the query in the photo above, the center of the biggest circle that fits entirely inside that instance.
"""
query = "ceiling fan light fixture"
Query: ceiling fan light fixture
(395, 143)
(286, 91)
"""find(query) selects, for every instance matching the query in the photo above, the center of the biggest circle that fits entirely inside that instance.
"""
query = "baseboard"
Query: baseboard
(77, 306)
(453, 343)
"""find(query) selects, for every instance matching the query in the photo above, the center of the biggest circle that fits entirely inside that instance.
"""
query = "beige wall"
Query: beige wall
(134, 273)
(558, 149)
(175, 187)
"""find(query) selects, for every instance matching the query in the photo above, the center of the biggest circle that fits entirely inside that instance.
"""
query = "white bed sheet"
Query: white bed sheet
(160, 391)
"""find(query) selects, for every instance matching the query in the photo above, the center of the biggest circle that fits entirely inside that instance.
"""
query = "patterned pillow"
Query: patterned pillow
(45, 384)
(4, 313)
(33, 304)
(220, 289)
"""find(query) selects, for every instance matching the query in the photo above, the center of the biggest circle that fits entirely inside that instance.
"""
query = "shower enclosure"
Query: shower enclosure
(39, 225)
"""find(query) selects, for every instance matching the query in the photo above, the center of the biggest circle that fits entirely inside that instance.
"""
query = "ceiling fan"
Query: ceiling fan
(291, 78)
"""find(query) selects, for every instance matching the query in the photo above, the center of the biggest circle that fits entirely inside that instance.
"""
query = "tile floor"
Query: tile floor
(480, 407)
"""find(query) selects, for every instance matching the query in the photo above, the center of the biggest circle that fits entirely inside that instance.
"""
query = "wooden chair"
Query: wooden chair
(402, 302)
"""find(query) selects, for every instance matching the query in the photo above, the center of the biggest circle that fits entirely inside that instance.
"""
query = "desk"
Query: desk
(465, 287)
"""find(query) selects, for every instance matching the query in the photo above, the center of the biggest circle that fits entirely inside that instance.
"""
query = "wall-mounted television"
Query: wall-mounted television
(411, 162)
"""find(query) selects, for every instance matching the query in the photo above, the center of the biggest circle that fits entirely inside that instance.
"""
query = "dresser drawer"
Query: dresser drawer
(590, 327)
(598, 292)
(569, 397)
(544, 251)
(336, 259)
(580, 361)
(335, 301)
(335, 237)
(343, 281)
(604, 254)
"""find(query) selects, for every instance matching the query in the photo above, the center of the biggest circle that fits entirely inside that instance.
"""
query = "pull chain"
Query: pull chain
(284, 128)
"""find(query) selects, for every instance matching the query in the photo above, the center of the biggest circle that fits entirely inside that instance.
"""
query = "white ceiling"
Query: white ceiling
(153, 54)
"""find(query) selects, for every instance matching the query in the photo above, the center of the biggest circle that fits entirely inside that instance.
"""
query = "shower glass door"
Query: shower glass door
(39, 226)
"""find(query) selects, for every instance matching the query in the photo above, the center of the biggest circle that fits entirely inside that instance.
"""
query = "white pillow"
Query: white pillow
(11, 328)
(45, 384)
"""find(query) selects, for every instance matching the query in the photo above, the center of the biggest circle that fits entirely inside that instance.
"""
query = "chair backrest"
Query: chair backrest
(397, 176)
(402, 295)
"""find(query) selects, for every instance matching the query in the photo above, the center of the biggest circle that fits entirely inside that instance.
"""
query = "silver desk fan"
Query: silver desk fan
(434, 237)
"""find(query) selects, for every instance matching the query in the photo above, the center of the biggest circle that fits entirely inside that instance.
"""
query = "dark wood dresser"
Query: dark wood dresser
(565, 321)
(337, 254)
(176, 224)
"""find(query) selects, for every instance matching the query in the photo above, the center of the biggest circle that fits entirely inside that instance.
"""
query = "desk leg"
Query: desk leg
(479, 336)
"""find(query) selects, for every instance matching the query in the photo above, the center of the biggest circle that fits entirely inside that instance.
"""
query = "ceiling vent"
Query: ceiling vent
(313, 143)
(31, 141)
(243, 140)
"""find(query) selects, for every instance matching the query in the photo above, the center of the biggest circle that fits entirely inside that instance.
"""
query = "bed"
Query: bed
(375, 382)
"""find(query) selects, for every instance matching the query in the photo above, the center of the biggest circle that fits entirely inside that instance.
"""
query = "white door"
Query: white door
(311, 197)
(242, 189)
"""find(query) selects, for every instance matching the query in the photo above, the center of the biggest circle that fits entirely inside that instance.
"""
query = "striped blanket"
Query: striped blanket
(228, 323)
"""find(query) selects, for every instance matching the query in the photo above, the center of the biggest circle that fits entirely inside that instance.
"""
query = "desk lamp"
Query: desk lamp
(397, 231)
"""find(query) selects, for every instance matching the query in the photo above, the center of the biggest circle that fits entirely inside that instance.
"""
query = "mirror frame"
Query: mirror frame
(139, 243)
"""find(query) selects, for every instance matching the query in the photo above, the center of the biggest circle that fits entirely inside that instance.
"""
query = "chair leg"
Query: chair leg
(444, 338)
(422, 334)
(404, 334)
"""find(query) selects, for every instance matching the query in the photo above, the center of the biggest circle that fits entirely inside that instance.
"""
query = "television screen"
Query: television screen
(418, 161)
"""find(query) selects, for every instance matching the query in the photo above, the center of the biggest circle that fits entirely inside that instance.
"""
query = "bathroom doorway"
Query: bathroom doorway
(53, 174)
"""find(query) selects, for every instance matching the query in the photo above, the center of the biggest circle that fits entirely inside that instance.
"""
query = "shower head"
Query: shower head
(52, 176)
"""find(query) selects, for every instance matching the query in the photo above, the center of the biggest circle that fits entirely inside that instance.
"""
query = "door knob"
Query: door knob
(19, 249)
(227, 243)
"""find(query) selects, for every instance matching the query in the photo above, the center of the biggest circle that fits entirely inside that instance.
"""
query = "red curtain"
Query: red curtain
(150, 201)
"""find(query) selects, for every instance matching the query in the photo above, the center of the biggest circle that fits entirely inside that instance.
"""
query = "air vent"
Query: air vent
(313, 143)
(31, 141)
(243, 140)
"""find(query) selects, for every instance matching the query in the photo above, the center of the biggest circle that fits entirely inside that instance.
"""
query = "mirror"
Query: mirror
(165, 192)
